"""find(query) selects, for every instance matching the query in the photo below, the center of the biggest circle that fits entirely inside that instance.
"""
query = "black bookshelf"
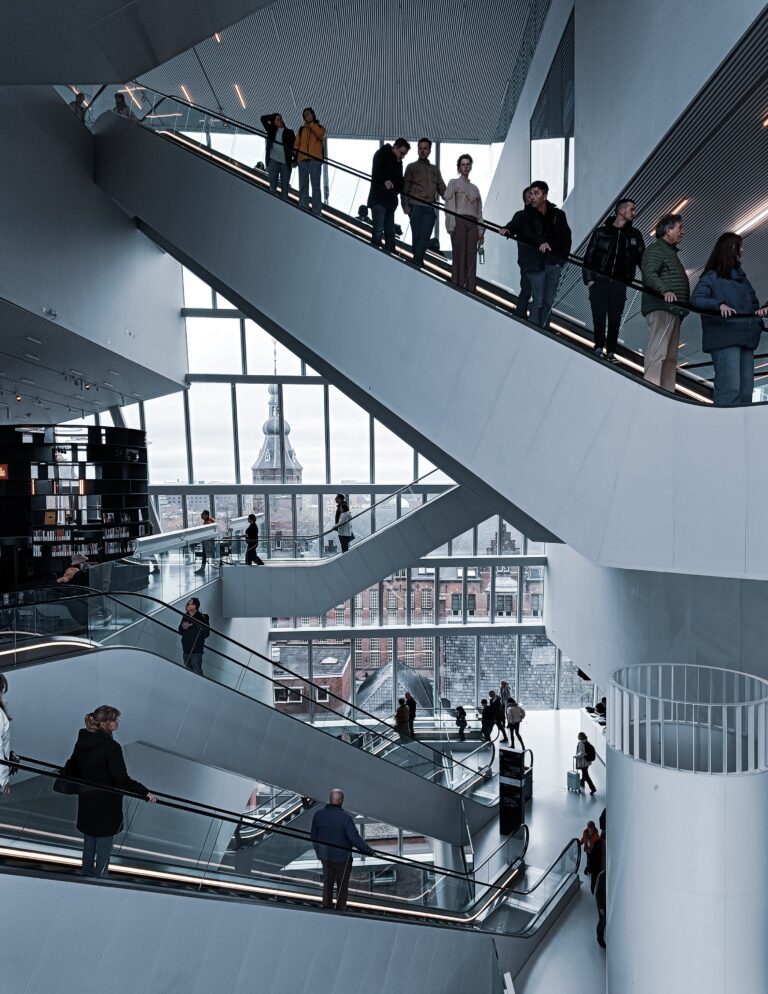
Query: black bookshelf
(67, 489)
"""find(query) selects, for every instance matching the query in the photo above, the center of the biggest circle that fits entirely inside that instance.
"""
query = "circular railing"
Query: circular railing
(700, 719)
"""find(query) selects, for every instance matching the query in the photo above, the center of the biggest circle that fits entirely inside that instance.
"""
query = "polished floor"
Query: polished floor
(569, 959)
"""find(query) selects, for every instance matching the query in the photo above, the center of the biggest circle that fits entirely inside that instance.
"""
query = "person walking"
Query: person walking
(208, 545)
(592, 845)
(411, 702)
(722, 292)
(403, 719)
(667, 291)
(422, 184)
(280, 142)
(386, 187)
(5, 739)
(344, 525)
(487, 719)
(309, 149)
(512, 230)
(98, 758)
(334, 836)
(252, 557)
(461, 722)
(194, 630)
(614, 252)
(544, 246)
(515, 714)
(499, 717)
(463, 224)
(585, 756)
(505, 696)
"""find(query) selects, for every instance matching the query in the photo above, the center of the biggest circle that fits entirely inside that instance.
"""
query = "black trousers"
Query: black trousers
(600, 930)
(251, 556)
(586, 778)
(336, 874)
(422, 226)
(514, 730)
(501, 725)
(607, 299)
(524, 297)
(344, 541)
(383, 226)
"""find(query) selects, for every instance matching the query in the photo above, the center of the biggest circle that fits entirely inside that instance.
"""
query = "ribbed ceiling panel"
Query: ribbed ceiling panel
(371, 69)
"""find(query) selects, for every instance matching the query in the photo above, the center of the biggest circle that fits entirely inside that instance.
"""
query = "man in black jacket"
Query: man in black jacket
(545, 244)
(252, 558)
(279, 152)
(334, 836)
(386, 187)
(512, 230)
(613, 254)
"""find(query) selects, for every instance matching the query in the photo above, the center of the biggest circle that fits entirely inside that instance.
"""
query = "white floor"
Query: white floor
(569, 959)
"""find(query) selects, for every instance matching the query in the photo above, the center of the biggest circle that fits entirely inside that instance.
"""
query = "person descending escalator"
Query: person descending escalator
(334, 836)
(411, 703)
(280, 142)
(402, 719)
(386, 187)
(499, 718)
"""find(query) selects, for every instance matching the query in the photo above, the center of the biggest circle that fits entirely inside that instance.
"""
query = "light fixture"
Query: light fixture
(683, 203)
(18, 397)
(87, 386)
(185, 91)
(28, 355)
(765, 123)
(240, 96)
(752, 221)
(30, 383)
(76, 372)
(217, 36)
(154, 117)
(35, 341)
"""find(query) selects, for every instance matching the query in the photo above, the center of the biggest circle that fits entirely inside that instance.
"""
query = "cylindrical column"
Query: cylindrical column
(687, 776)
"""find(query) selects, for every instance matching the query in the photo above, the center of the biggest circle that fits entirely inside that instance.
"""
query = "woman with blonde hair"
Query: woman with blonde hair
(5, 739)
(98, 759)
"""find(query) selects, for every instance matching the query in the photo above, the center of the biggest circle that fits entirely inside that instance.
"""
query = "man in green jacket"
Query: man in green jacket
(665, 275)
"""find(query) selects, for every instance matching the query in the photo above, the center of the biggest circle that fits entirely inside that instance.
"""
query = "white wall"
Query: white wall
(65, 245)
(637, 68)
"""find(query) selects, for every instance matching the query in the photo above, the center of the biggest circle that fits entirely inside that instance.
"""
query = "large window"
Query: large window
(552, 132)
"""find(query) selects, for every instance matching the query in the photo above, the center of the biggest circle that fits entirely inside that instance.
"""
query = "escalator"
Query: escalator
(563, 444)
(231, 717)
(183, 855)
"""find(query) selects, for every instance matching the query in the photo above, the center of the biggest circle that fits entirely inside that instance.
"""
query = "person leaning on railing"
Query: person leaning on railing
(664, 309)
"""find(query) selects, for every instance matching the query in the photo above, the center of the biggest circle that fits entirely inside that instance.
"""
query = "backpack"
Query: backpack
(589, 752)
(522, 712)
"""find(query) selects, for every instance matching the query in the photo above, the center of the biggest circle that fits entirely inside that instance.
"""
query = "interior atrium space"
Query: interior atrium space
(383, 552)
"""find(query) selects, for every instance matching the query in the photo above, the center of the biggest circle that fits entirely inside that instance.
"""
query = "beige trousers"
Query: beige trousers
(661, 355)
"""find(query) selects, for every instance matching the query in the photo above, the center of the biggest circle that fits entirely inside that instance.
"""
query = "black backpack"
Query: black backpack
(589, 752)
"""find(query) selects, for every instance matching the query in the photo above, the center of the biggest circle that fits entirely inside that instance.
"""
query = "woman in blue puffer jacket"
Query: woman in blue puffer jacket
(722, 292)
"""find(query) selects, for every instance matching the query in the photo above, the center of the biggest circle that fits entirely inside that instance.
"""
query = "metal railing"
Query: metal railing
(697, 719)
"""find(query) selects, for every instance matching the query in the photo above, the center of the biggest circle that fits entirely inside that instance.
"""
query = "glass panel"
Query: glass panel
(281, 544)
(347, 193)
(265, 355)
(258, 463)
(451, 592)
(394, 459)
(423, 589)
(394, 591)
(511, 540)
(303, 413)
(506, 592)
(213, 346)
(196, 293)
(166, 450)
(210, 414)
(132, 416)
(350, 440)
(498, 659)
(292, 694)
(462, 545)
(373, 677)
(170, 511)
(478, 594)
(574, 692)
(536, 688)
(416, 673)
(488, 537)
(533, 593)
(457, 671)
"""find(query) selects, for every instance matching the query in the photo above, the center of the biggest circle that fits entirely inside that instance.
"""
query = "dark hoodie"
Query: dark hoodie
(193, 638)
(99, 759)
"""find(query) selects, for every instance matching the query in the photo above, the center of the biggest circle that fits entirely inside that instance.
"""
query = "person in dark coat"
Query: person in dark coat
(487, 719)
(723, 292)
(512, 230)
(194, 630)
(411, 703)
(544, 247)
(280, 141)
(98, 759)
(499, 717)
(386, 187)
(252, 557)
(461, 722)
(601, 908)
(334, 836)
(403, 719)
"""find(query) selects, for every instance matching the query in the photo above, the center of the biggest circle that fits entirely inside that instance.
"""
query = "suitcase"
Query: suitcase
(574, 779)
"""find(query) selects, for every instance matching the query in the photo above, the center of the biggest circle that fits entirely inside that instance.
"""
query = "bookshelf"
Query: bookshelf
(66, 490)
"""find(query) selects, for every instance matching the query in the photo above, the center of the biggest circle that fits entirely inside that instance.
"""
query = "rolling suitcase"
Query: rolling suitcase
(574, 779)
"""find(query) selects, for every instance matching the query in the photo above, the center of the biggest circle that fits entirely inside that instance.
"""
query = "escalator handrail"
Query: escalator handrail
(54, 772)
(388, 734)
(359, 514)
(575, 260)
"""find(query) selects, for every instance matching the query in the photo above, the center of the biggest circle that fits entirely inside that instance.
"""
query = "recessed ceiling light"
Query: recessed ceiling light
(28, 355)
(240, 96)
(35, 341)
